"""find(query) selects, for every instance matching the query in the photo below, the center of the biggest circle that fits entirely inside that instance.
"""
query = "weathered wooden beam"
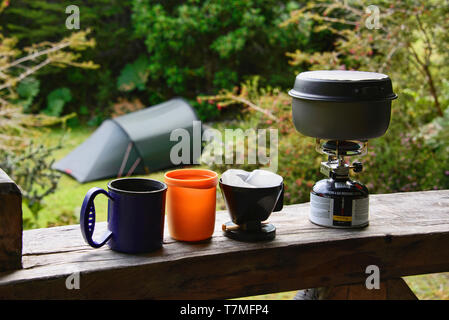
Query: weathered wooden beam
(10, 224)
(391, 289)
(408, 235)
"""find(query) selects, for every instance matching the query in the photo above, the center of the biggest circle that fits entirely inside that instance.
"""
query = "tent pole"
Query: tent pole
(133, 167)
(125, 159)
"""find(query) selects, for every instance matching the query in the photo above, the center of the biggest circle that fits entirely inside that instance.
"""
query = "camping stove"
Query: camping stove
(342, 110)
(338, 201)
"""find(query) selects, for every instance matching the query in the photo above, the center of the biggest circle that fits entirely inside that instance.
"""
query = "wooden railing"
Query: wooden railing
(408, 235)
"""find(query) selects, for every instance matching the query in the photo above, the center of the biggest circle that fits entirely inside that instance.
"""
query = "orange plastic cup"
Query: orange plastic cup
(190, 203)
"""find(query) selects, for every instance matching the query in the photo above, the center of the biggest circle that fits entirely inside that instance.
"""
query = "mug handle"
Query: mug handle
(280, 202)
(87, 218)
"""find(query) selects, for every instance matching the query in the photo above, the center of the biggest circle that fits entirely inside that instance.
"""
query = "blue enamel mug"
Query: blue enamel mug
(136, 214)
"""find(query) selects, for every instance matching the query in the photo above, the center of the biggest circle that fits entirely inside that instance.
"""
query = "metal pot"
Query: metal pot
(342, 105)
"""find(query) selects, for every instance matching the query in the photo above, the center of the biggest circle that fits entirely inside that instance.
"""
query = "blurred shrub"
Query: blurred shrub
(27, 90)
(56, 101)
(205, 111)
(154, 50)
(31, 170)
(124, 106)
(409, 44)
(32, 21)
(270, 108)
(400, 161)
(199, 47)
(134, 75)
(26, 163)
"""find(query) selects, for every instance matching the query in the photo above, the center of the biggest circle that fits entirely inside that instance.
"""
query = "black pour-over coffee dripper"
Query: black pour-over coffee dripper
(248, 208)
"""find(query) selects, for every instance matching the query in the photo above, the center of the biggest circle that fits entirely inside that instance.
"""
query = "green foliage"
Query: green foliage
(154, 50)
(31, 170)
(18, 89)
(56, 101)
(206, 111)
(34, 21)
(134, 75)
(202, 46)
(27, 91)
(98, 117)
(411, 47)
(83, 110)
(409, 43)
(436, 133)
(402, 160)
(29, 165)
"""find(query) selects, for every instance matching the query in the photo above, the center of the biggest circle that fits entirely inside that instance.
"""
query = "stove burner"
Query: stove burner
(341, 145)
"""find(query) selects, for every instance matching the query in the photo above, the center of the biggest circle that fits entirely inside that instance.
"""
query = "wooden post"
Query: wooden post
(391, 289)
(10, 224)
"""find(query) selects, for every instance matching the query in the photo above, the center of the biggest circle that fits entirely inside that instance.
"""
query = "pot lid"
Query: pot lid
(342, 85)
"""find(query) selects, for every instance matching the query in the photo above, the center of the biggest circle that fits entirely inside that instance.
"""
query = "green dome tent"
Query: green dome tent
(135, 143)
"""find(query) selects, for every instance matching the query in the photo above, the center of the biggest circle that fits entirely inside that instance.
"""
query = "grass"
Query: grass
(62, 207)
(430, 286)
